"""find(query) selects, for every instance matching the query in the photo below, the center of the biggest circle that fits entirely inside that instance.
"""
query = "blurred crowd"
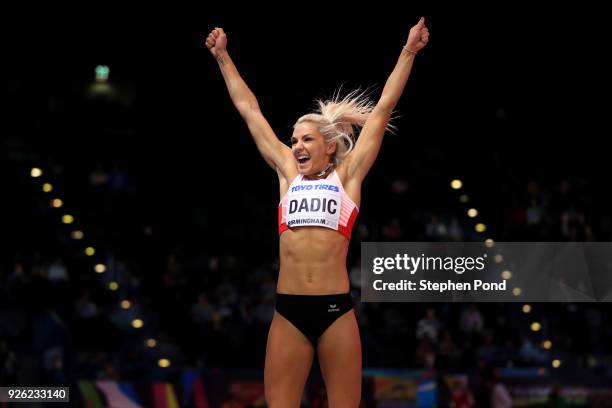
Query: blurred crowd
(61, 317)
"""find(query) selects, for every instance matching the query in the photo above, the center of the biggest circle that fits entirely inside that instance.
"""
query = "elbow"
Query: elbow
(384, 107)
(247, 108)
(386, 104)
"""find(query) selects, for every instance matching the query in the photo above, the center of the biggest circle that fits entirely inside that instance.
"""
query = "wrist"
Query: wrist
(221, 57)
(409, 50)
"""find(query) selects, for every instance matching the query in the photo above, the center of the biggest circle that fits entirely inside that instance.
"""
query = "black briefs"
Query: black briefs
(313, 314)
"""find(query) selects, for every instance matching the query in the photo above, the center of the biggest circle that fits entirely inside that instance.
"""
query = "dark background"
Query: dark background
(506, 98)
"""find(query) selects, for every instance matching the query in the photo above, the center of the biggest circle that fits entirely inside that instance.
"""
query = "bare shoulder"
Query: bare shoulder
(351, 185)
(342, 170)
(286, 177)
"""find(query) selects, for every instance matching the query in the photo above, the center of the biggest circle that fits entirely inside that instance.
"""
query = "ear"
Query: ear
(331, 148)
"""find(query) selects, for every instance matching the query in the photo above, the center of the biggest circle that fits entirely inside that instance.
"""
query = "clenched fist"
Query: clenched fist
(216, 42)
(418, 36)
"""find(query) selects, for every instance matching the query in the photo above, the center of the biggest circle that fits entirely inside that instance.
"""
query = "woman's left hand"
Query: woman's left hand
(418, 36)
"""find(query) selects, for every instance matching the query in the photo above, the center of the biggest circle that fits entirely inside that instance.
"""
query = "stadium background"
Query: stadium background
(167, 190)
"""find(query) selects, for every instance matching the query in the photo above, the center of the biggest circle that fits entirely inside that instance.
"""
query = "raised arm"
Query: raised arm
(361, 159)
(275, 153)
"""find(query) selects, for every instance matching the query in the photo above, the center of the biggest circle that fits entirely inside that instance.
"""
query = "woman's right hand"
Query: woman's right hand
(216, 42)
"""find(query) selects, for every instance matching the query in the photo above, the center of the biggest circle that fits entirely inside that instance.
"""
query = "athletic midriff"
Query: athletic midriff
(312, 261)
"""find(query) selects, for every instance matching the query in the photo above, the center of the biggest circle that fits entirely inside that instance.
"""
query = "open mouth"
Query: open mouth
(303, 159)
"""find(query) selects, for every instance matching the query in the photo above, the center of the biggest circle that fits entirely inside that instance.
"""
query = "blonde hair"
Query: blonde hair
(341, 119)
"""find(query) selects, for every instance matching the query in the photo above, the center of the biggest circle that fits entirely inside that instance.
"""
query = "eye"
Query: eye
(293, 141)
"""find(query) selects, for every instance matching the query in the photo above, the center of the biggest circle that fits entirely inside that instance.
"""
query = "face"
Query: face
(309, 149)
